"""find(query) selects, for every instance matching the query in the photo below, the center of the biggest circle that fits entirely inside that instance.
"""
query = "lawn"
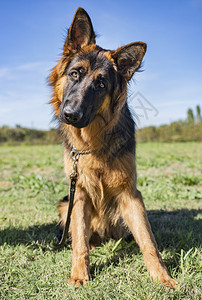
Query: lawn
(31, 267)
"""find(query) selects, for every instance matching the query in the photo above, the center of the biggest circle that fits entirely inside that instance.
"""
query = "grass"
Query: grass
(31, 267)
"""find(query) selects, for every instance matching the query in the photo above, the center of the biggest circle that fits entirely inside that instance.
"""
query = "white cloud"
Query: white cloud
(10, 73)
(24, 95)
(34, 66)
(4, 110)
(4, 72)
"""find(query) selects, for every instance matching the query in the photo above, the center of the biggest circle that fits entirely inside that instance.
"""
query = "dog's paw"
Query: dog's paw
(166, 281)
(169, 283)
(77, 282)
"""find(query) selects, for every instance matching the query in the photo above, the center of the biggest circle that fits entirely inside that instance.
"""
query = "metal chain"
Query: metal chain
(74, 155)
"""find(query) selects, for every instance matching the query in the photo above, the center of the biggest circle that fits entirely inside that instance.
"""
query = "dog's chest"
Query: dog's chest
(101, 181)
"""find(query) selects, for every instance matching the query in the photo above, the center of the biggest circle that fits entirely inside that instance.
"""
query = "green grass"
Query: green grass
(31, 267)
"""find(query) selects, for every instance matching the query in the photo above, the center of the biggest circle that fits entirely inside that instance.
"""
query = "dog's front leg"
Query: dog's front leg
(134, 214)
(80, 231)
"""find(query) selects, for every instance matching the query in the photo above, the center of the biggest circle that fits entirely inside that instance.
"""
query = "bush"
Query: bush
(175, 132)
(28, 136)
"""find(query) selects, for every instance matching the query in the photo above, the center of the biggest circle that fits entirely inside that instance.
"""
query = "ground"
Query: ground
(31, 267)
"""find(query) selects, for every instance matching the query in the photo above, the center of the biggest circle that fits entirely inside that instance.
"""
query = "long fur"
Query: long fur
(90, 101)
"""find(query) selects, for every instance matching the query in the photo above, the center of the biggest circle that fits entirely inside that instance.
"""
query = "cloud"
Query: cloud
(34, 66)
(174, 103)
(4, 72)
(29, 66)
(5, 110)
(10, 73)
(24, 94)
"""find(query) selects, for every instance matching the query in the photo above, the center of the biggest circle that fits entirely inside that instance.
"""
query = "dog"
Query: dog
(90, 101)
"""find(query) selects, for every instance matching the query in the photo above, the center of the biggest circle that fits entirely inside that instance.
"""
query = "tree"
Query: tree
(190, 116)
(198, 114)
(18, 126)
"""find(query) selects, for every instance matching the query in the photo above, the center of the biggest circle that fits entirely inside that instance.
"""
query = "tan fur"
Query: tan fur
(107, 201)
(101, 184)
(105, 105)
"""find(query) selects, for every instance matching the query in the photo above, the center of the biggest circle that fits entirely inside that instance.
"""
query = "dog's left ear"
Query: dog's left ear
(128, 58)
(81, 31)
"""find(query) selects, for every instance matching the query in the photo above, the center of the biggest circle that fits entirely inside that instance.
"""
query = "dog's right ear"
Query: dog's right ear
(81, 31)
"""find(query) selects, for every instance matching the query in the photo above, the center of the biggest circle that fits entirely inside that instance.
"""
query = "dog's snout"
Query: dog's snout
(72, 117)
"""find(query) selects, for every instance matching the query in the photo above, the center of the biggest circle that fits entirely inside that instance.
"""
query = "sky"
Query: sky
(32, 35)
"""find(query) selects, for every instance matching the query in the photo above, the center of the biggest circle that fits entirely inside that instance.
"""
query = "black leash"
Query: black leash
(74, 155)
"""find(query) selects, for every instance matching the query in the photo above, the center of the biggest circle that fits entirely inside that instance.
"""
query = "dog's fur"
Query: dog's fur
(90, 101)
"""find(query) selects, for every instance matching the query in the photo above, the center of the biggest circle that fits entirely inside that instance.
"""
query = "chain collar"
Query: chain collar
(74, 155)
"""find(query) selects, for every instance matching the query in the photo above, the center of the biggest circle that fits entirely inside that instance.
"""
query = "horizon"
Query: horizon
(32, 35)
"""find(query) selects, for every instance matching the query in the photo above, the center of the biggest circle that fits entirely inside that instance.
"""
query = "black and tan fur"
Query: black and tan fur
(90, 101)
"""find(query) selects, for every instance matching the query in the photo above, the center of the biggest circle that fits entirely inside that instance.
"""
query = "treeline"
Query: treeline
(21, 135)
(180, 131)
(175, 132)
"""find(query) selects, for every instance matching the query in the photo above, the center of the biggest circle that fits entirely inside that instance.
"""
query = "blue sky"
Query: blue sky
(32, 35)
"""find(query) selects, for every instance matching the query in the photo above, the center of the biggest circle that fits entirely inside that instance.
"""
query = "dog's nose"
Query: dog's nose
(72, 117)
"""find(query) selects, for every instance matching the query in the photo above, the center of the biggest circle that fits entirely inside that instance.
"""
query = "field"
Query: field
(32, 267)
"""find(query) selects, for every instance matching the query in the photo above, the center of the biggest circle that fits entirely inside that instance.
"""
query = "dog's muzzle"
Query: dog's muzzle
(71, 117)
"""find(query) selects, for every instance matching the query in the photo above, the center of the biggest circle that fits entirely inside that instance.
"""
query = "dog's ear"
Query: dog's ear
(81, 31)
(128, 58)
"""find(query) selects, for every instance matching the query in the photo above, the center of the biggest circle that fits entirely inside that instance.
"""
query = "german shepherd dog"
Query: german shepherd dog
(90, 101)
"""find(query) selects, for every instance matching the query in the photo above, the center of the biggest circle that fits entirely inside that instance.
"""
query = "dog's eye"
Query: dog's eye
(101, 85)
(74, 74)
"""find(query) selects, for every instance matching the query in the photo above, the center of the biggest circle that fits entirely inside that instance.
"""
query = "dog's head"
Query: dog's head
(89, 81)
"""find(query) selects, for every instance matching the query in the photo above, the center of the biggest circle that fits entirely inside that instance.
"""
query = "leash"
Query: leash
(74, 155)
